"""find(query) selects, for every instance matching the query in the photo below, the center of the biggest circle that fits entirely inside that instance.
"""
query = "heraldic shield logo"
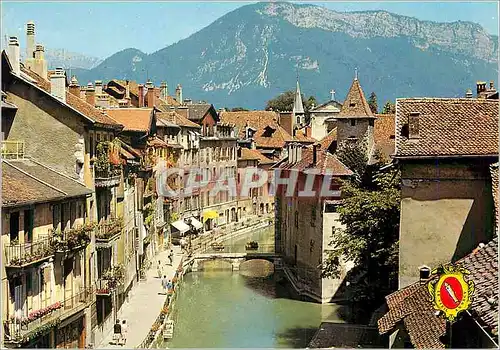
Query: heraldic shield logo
(451, 294)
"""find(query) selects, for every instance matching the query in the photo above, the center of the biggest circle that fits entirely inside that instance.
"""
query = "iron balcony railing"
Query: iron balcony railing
(24, 254)
(108, 178)
(12, 149)
(17, 327)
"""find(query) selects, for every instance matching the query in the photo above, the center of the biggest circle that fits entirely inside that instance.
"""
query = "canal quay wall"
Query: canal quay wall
(155, 337)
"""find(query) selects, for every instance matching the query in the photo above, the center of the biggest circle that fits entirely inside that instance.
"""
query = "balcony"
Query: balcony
(110, 280)
(12, 149)
(107, 231)
(21, 255)
(21, 329)
(107, 165)
(74, 239)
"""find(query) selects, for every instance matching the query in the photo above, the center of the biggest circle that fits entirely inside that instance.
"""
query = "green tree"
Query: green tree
(354, 155)
(370, 238)
(284, 102)
(372, 102)
(389, 108)
(239, 109)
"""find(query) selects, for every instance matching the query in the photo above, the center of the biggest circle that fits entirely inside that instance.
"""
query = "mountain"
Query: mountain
(63, 58)
(250, 55)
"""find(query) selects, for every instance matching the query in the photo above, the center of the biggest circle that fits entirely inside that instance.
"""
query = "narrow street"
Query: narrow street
(145, 301)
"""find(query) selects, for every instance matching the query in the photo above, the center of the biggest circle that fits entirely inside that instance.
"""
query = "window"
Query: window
(371, 122)
(313, 216)
(28, 225)
(413, 125)
(352, 103)
(330, 208)
(353, 122)
(14, 226)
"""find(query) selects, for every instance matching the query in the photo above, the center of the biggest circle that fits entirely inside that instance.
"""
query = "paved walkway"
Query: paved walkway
(144, 304)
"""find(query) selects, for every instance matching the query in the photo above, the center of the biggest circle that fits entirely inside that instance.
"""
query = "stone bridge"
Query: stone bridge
(235, 259)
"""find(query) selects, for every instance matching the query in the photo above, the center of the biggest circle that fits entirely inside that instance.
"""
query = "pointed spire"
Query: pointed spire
(355, 104)
(355, 73)
(298, 107)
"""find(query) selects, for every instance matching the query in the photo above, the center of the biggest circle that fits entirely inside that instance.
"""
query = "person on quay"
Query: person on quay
(117, 332)
(171, 257)
(124, 332)
(158, 269)
(164, 284)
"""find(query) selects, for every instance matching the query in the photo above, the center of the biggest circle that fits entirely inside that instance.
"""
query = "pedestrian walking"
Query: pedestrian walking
(117, 332)
(171, 257)
(158, 269)
(164, 284)
(124, 332)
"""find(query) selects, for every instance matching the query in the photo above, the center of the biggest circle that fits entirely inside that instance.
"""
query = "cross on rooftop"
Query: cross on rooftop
(332, 92)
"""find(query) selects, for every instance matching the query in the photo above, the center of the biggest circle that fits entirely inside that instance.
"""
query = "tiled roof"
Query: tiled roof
(133, 119)
(349, 336)
(326, 163)
(355, 104)
(448, 127)
(412, 304)
(253, 154)
(198, 110)
(328, 107)
(301, 137)
(77, 103)
(258, 120)
(384, 134)
(133, 86)
(177, 119)
(27, 181)
(326, 141)
(494, 189)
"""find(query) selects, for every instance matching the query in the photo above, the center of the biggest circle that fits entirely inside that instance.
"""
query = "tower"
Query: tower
(298, 115)
(356, 120)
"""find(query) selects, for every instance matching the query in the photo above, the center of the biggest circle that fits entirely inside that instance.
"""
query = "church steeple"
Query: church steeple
(298, 107)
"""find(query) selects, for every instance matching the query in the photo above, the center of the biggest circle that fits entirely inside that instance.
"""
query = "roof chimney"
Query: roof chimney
(38, 64)
(299, 153)
(74, 88)
(480, 87)
(98, 87)
(90, 94)
(127, 90)
(150, 94)
(425, 274)
(141, 95)
(178, 93)
(30, 41)
(291, 155)
(83, 92)
(492, 86)
(315, 154)
(58, 84)
(14, 54)
(468, 93)
(164, 91)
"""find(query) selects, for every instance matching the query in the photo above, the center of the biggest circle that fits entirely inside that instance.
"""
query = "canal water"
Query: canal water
(225, 309)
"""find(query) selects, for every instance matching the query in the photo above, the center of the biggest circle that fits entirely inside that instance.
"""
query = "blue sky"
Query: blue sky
(103, 28)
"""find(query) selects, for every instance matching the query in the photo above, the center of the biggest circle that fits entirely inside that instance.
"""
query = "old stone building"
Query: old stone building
(46, 275)
(444, 173)
(323, 118)
(305, 221)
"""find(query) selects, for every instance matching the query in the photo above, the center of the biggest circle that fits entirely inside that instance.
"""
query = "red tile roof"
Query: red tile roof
(133, 119)
(448, 127)
(355, 104)
(326, 163)
(327, 141)
(77, 103)
(413, 307)
(384, 134)
(258, 120)
(177, 119)
(494, 189)
(253, 154)
(301, 137)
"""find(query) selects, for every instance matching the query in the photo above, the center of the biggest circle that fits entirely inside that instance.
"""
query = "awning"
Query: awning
(210, 214)
(197, 225)
(181, 226)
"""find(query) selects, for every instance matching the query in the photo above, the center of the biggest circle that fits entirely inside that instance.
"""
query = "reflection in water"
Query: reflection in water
(224, 309)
